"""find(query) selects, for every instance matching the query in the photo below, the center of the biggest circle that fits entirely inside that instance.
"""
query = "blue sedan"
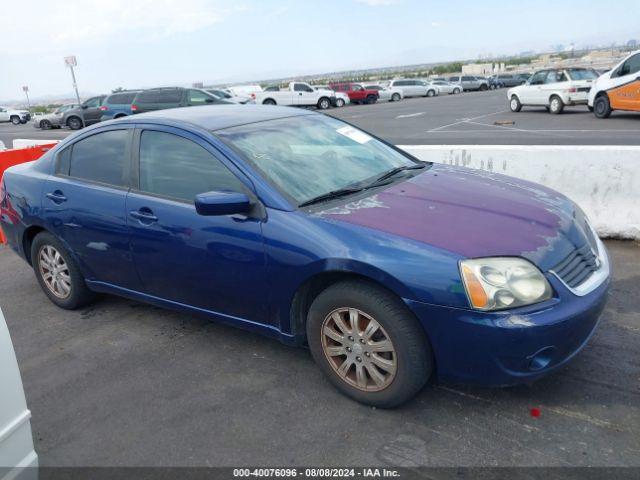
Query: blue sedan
(306, 229)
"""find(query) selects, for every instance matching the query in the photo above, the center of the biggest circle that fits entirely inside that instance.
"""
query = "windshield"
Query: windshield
(311, 155)
(582, 74)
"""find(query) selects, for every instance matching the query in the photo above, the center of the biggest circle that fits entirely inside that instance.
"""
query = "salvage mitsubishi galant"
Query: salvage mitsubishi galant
(304, 228)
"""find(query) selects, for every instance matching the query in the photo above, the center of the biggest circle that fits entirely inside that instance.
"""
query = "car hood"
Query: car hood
(474, 214)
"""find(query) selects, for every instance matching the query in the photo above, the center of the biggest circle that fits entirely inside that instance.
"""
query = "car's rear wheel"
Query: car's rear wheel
(269, 101)
(431, 93)
(324, 103)
(556, 105)
(339, 102)
(371, 99)
(456, 91)
(15, 120)
(602, 107)
(368, 344)
(46, 125)
(514, 104)
(58, 274)
(395, 97)
(483, 87)
(74, 123)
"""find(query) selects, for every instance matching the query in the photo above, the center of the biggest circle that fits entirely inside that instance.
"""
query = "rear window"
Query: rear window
(582, 74)
(121, 98)
(100, 158)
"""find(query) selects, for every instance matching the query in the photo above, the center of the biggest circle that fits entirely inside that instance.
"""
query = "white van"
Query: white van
(16, 442)
(618, 89)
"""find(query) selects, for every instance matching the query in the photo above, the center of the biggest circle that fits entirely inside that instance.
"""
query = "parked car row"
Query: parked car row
(557, 88)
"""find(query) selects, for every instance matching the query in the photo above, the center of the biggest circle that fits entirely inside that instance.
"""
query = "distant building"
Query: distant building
(478, 69)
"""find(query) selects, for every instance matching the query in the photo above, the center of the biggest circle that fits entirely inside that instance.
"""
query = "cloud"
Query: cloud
(378, 3)
(436, 24)
(55, 25)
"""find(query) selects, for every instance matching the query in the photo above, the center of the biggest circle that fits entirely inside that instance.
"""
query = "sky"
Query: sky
(147, 43)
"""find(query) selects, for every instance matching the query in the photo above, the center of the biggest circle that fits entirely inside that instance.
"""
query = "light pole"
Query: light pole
(25, 89)
(71, 62)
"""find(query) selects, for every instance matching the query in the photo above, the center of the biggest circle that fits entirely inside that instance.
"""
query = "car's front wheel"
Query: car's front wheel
(368, 344)
(602, 107)
(514, 104)
(395, 97)
(15, 120)
(58, 274)
(456, 91)
(339, 102)
(74, 123)
(46, 125)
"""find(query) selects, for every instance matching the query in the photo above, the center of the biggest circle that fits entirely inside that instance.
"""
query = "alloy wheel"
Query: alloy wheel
(358, 349)
(54, 271)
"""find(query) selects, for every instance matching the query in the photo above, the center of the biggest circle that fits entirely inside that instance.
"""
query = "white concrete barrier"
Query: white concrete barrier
(603, 180)
(27, 142)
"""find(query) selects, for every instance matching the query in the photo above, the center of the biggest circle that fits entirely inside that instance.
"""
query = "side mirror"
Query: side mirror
(222, 203)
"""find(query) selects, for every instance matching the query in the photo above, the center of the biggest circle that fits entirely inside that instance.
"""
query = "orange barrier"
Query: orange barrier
(9, 158)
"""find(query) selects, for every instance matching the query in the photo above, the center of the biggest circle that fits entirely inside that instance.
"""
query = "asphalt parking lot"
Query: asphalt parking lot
(455, 120)
(123, 383)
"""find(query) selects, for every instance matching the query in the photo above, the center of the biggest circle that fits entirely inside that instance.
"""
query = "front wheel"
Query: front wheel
(371, 99)
(339, 102)
(74, 123)
(368, 344)
(15, 120)
(46, 125)
(602, 107)
(269, 101)
(58, 274)
(514, 104)
(456, 91)
(431, 93)
(483, 87)
(324, 103)
(395, 97)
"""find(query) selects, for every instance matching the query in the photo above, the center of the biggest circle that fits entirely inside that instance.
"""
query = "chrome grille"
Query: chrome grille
(577, 266)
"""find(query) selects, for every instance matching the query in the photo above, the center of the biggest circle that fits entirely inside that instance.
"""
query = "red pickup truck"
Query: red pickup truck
(356, 92)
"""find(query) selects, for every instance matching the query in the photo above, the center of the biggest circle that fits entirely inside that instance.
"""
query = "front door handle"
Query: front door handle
(56, 197)
(144, 216)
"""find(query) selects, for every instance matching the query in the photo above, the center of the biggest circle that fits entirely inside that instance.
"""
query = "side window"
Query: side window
(196, 97)
(299, 87)
(63, 160)
(176, 167)
(538, 78)
(631, 66)
(93, 102)
(169, 96)
(101, 158)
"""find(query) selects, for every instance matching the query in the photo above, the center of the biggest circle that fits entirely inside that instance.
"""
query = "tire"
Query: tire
(456, 91)
(556, 105)
(431, 93)
(269, 101)
(483, 87)
(514, 104)
(74, 123)
(339, 103)
(46, 125)
(15, 120)
(371, 99)
(408, 357)
(324, 103)
(395, 97)
(70, 278)
(602, 106)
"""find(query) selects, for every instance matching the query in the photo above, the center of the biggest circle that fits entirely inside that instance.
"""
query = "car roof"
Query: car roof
(217, 117)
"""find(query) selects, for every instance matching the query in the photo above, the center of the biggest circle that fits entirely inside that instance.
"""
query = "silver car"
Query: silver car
(386, 94)
(447, 87)
(53, 120)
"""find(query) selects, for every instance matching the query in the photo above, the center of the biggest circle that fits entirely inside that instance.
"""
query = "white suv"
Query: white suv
(553, 89)
(16, 117)
(414, 88)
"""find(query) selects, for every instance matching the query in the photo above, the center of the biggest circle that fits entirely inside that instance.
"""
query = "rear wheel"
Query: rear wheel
(431, 93)
(45, 125)
(556, 105)
(456, 91)
(483, 87)
(514, 104)
(58, 274)
(269, 101)
(602, 107)
(368, 344)
(339, 102)
(395, 97)
(371, 99)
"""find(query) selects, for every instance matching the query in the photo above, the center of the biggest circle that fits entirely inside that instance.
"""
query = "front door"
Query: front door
(216, 263)
(91, 110)
(624, 93)
(84, 205)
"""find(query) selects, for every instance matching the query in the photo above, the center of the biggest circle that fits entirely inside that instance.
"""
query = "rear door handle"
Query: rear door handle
(56, 197)
(144, 216)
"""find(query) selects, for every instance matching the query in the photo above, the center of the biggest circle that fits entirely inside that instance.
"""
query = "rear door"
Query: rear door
(624, 93)
(216, 263)
(91, 110)
(84, 204)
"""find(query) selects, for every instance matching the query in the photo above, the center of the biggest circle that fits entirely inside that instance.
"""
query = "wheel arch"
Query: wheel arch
(269, 99)
(66, 122)
(27, 240)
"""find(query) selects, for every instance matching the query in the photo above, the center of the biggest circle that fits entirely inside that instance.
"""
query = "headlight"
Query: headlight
(503, 282)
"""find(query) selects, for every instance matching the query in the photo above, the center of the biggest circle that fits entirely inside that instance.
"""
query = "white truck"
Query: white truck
(16, 441)
(298, 94)
(8, 114)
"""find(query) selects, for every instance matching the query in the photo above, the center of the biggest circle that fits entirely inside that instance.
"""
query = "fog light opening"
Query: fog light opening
(541, 359)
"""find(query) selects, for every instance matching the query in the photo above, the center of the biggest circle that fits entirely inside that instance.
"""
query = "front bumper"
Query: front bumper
(508, 348)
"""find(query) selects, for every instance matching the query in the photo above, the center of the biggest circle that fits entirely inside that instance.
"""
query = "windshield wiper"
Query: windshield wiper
(394, 171)
(341, 192)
